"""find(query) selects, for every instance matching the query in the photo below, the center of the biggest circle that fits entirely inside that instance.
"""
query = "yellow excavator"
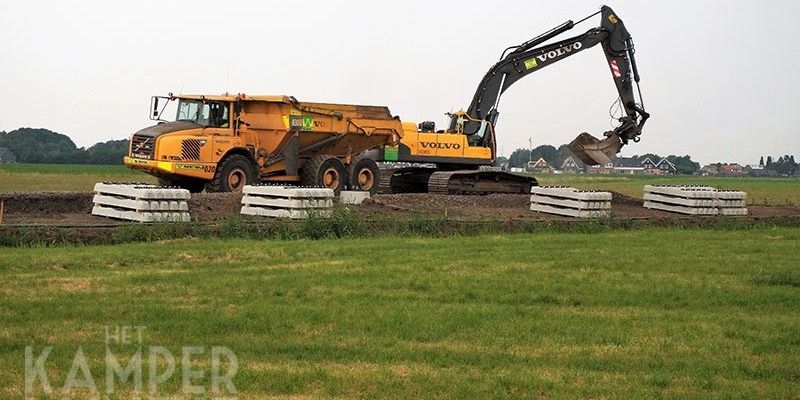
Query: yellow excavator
(222, 143)
(469, 143)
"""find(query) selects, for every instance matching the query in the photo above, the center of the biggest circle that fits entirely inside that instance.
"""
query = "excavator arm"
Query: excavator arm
(529, 57)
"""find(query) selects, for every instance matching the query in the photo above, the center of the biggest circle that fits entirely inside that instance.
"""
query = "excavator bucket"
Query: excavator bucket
(593, 151)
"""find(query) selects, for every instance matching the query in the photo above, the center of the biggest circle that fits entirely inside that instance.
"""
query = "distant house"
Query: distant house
(628, 166)
(665, 167)
(710, 170)
(571, 166)
(539, 166)
(650, 167)
(7, 156)
(759, 171)
(733, 169)
(604, 169)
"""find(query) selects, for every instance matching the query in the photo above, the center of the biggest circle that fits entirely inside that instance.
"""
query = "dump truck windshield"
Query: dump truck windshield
(208, 114)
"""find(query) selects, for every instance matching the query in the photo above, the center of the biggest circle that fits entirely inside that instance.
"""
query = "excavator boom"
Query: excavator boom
(520, 61)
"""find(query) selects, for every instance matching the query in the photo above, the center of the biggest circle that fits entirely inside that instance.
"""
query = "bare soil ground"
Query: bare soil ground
(74, 208)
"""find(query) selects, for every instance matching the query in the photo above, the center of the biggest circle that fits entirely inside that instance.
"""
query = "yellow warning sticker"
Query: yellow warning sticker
(166, 166)
(531, 63)
(612, 18)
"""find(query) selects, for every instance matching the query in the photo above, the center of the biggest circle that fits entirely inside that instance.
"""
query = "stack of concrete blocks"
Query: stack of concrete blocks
(286, 202)
(571, 202)
(695, 200)
(731, 202)
(141, 202)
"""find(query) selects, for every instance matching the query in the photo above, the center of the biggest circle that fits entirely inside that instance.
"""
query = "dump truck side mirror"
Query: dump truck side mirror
(154, 107)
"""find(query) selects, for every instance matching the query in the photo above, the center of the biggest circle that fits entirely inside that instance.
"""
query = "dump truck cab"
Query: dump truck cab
(221, 143)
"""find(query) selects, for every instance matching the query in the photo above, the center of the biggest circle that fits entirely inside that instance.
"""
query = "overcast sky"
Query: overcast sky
(719, 77)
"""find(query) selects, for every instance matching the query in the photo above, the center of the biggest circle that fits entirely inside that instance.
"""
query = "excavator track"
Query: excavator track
(459, 182)
(439, 182)
(466, 182)
(405, 180)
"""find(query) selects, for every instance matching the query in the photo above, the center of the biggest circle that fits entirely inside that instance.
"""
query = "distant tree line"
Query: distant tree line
(42, 146)
(784, 165)
(553, 156)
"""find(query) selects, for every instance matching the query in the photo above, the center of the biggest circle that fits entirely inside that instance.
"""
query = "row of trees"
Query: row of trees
(44, 146)
(553, 156)
(784, 165)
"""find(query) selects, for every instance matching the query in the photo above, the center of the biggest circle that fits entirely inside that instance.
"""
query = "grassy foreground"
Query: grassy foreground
(648, 314)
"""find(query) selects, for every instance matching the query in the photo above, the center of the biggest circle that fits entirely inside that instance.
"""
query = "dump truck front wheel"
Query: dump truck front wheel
(325, 171)
(233, 173)
(364, 175)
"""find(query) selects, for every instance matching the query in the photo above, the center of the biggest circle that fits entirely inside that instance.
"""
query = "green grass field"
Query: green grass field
(64, 178)
(655, 313)
(36, 177)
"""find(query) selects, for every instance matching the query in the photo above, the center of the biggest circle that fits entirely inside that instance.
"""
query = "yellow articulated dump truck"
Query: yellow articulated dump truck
(221, 143)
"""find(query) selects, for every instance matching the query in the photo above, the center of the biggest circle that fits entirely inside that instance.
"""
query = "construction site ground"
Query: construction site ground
(74, 208)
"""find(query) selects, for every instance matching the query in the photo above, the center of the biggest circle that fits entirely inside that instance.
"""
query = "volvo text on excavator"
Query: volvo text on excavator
(469, 142)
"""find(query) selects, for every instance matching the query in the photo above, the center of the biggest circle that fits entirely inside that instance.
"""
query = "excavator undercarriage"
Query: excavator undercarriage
(468, 181)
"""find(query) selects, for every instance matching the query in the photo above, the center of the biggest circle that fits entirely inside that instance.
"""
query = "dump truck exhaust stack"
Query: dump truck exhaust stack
(593, 151)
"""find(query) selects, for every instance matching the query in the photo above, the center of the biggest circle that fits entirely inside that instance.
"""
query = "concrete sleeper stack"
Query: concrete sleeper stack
(571, 202)
(286, 202)
(141, 202)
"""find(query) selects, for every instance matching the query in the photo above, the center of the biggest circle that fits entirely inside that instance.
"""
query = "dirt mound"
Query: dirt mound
(63, 207)
(214, 206)
(619, 198)
(494, 205)
(47, 203)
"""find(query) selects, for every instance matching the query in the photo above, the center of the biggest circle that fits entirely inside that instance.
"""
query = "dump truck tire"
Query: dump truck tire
(325, 171)
(233, 173)
(364, 175)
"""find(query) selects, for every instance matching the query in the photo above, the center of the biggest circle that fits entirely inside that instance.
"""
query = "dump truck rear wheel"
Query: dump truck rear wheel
(364, 175)
(233, 173)
(325, 171)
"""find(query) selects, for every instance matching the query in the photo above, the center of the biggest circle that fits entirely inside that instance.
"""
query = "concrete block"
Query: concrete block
(689, 192)
(568, 203)
(288, 191)
(275, 202)
(353, 197)
(567, 192)
(569, 212)
(733, 212)
(680, 201)
(285, 213)
(681, 209)
(144, 192)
